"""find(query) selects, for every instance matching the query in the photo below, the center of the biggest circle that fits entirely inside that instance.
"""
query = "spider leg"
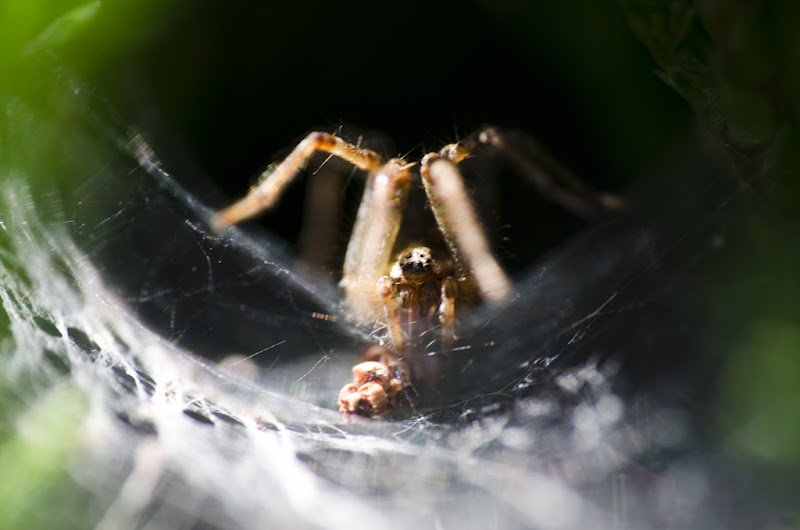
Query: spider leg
(554, 181)
(391, 312)
(447, 312)
(462, 231)
(272, 183)
(374, 234)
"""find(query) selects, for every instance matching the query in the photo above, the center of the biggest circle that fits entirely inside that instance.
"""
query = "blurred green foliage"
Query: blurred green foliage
(35, 458)
(41, 422)
(63, 28)
(89, 32)
(759, 394)
(737, 63)
(45, 49)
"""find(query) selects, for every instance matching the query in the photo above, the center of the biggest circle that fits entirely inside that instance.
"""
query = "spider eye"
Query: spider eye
(410, 266)
(415, 262)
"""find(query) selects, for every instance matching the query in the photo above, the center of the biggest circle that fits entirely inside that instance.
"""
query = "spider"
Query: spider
(411, 291)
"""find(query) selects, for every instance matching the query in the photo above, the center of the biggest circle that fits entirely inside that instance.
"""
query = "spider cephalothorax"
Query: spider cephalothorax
(419, 295)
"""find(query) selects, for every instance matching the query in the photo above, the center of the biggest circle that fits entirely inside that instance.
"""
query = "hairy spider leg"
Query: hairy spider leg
(462, 231)
(447, 312)
(273, 182)
(386, 291)
(369, 251)
(377, 221)
(555, 182)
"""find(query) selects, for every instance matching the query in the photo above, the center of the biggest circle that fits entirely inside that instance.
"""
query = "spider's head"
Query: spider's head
(415, 265)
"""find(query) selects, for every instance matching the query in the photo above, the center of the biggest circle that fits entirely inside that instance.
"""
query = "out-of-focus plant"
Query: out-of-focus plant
(88, 32)
(737, 64)
(35, 457)
(41, 420)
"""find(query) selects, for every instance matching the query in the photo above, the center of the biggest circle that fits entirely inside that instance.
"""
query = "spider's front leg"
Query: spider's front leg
(273, 182)
(462, 231)
(375, 231)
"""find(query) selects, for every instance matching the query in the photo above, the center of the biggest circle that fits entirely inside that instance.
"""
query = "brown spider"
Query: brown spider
(411, 291)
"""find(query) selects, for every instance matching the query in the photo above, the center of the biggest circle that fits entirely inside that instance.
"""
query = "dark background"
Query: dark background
(237, 83)
(223, 90)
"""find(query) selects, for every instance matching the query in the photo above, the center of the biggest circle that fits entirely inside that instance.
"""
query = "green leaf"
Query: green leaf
(63, 28)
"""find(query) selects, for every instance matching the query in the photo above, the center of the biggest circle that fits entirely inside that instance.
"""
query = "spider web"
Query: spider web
(209, 367)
